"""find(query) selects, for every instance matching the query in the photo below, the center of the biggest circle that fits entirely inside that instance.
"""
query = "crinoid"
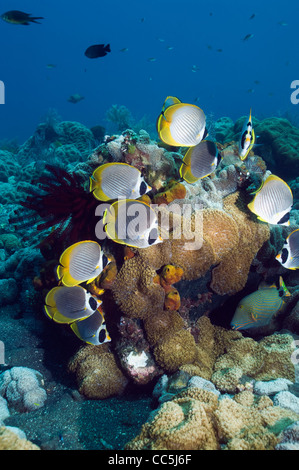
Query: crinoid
(60, 202)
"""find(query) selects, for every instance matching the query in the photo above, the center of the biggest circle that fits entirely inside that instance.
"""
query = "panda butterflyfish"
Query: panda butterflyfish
(273, 201)
(67, 304)
(200, 161)
(81, 262)
(132, 223)
(289, 255)
(117, 181)
(247, 138)
(181, 124)
(93, 329)
(257, 309)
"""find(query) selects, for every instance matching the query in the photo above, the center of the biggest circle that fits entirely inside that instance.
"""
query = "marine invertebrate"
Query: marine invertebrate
(265, 360)
(97, 373)
(134, 290)
(23, 388)
(9, 440)
(61, 201)
(195, 420)
(175, 350)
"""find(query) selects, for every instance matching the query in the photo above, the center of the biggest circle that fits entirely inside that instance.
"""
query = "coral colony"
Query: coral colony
(140, 304)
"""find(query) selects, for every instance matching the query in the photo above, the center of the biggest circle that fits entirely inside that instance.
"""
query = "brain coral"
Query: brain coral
(97, 373)
(196, 420)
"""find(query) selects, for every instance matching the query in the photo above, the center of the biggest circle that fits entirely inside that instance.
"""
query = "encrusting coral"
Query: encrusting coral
(196, 420)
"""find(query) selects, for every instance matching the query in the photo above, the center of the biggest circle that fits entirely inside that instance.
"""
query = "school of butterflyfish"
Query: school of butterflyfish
(122, 186)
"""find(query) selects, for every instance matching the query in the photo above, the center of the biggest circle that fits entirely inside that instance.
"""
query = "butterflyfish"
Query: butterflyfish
(200, 161)
(117, 181)
(68, 304)
(289, 255)
(81, 262)
(257, 309)
(273, 201)
(132, 223)
(92, 329)
(180, 124)
(247, 138)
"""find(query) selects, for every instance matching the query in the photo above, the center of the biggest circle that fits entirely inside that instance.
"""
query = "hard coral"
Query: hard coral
(97, 373)
(196, 420)
(175, 350)
(134, 290)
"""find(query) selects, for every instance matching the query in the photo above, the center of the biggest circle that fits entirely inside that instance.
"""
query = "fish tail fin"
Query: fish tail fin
(107, 48)
(284, 287)
(33, 19)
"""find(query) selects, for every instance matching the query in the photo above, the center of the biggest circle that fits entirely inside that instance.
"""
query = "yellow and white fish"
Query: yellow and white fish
(68, 304)
(258, 308)
(123, 226)
(289, 255)
(273, 201)
(81, 262)
(181, 124)
(200, 161)
(92, 329)
(117, 181)
(247, 138)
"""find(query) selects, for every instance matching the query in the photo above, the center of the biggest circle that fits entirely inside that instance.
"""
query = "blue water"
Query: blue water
(223, 84)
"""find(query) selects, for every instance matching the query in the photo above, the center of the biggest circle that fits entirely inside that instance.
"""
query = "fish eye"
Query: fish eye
(92, 303)
(143, 188)
(102, 335)
(153, 235)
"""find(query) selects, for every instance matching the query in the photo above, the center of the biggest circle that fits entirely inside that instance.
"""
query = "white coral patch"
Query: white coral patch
(137, 360)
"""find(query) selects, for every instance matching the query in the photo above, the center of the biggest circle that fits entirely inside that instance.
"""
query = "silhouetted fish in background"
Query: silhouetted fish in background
(98, 50)
(248, 36)
(19, 17)
(75, 98)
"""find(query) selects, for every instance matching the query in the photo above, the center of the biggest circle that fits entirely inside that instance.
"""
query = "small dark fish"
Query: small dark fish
(98, 50)
(125, 49)
(219, 50)
(19, 17)
(151, 59)
(75, 98)
(252, 16)
(248, 36)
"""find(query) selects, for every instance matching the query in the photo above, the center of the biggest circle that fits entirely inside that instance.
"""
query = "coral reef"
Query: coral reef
(9, 440)
(98, 376)
(23, 388)
(196, 420)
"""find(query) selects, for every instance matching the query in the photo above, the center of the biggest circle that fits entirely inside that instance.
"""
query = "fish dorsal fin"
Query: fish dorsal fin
(265, 285)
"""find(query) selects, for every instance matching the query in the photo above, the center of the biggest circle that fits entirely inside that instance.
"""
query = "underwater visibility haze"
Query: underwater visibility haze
(149, 221)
